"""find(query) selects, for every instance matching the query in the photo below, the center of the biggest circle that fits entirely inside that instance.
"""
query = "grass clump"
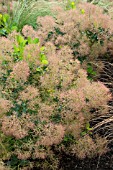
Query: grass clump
(26, 11)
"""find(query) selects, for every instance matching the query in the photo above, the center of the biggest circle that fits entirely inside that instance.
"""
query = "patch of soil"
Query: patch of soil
(104, 162)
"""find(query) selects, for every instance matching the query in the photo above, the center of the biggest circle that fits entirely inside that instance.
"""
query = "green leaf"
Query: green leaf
(94, 73)
(20, 39)
(14, 28)
(82, 11)
(1, 16)
(88, 127)
(3, 31)
(5, 18)
(83, 133)
(89, 69)
(42, 48)
(45, 62)
(36, 41)
(38, 69)
(29, 39)
(16, 49)
(42, 57)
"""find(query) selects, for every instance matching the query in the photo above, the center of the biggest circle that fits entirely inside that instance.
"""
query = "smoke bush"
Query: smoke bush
(87, 34)
(45, 96)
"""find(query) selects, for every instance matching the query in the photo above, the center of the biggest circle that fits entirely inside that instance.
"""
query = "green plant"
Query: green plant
(90, 71)
(68, 139)
(88, 130)
(19, 50)
(6, 25)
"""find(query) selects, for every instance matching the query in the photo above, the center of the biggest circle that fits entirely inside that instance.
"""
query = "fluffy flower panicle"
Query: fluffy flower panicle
(20, 71)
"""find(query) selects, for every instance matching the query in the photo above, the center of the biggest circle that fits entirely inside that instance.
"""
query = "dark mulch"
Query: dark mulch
(68, 162)
(104, 162)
